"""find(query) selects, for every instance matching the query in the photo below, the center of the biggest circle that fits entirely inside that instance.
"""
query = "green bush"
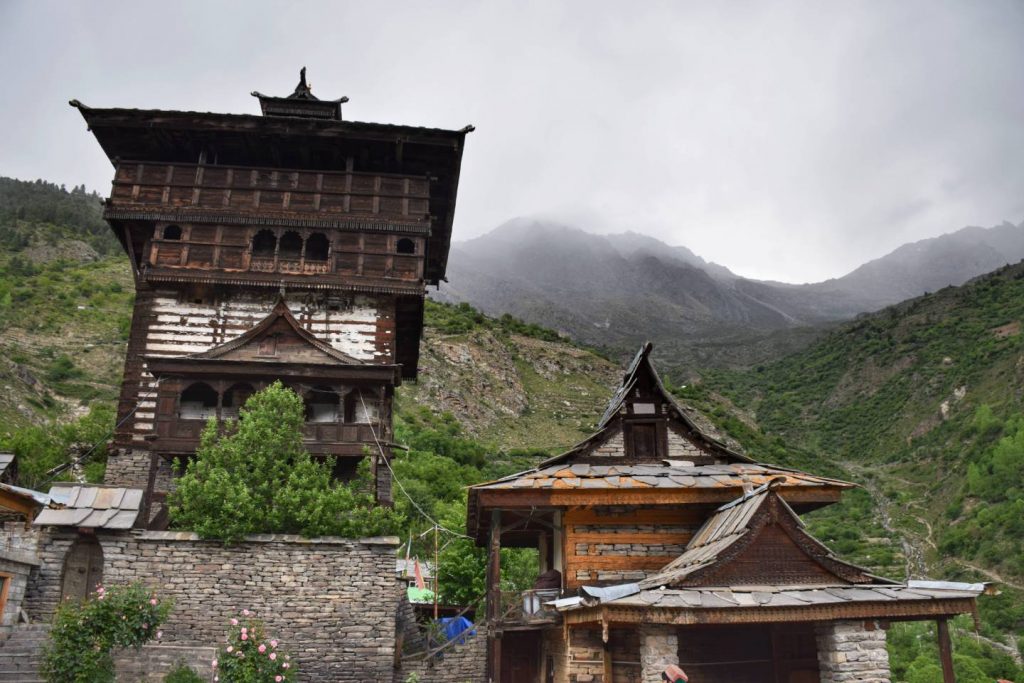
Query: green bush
(84, 633)
(183, 674)
(251, 656)
(254, 476)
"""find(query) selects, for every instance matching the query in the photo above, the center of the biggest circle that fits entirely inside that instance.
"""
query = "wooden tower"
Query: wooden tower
(292, 246)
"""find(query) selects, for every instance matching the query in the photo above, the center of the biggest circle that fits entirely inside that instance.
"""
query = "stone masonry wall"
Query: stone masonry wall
(659, 647)
(17, 564)
(460, 663)
(583, 660)
(332, 602)
(852, 651)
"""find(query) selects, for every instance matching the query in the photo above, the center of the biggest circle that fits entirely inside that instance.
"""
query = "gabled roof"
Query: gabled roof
(279, 312)
(737, 527)
(97, 507)
(641, 365)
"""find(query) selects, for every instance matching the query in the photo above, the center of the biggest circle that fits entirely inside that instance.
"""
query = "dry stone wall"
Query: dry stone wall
(332, 602)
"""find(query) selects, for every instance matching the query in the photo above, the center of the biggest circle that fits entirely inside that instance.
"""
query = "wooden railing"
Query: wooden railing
(527, 607)
(259, 189)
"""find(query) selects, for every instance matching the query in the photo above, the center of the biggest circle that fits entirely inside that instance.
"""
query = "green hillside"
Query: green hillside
(922, 403)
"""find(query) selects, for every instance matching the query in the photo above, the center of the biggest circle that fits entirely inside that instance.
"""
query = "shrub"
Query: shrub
(183, 674)
(84, 633)
(251, 656)
(255, 476)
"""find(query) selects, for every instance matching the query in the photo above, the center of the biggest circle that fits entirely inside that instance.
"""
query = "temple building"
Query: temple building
(670, 551)
(291, 246)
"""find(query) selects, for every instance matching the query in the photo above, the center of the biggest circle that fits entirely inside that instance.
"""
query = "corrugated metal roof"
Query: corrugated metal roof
(96, 507)
(5, 461)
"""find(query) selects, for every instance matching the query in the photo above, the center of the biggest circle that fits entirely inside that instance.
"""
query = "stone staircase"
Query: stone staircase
(20, 654)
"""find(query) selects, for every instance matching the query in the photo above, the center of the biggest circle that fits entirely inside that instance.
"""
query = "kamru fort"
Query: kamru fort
(296, 246)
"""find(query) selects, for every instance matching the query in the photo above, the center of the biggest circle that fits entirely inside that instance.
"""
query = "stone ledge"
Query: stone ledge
(21, 557)
(269, 538)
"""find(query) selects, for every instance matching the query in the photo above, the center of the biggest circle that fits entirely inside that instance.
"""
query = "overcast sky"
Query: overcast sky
(786, 140)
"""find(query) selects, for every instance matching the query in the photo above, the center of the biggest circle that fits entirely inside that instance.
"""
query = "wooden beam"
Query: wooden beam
(945, 651)
(18, 503)
(527, 498)
(494, 599)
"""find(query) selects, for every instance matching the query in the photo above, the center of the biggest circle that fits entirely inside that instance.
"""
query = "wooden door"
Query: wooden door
(520, 657)
(83, 569)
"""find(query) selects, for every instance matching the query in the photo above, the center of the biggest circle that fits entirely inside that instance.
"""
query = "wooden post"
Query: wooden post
(494, 598)
(436, 565)
(945, 651)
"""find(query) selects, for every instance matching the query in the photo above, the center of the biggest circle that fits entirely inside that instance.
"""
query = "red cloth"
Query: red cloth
(673, 674)
(420, 583)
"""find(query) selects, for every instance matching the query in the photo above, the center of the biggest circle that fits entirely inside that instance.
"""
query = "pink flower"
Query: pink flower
(234, 622)
(285, 665)
(245, 613)
(152, 601)
(273, 656)
(101, 590)
(278, 679)
(245, 636)
(273, 643)
(215, 664)
(262, 648)
(230, 649)
(145, 626)
(159, 635)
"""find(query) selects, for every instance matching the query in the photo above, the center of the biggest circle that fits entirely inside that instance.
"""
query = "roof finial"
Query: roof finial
(303, 90)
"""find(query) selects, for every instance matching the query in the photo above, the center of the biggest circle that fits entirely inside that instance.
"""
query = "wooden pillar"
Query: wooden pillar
(494, 599)
(945, 651)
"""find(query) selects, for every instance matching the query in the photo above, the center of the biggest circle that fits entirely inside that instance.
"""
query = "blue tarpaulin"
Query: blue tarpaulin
(456, 627)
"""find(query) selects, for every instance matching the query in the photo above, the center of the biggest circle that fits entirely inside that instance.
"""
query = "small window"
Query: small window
(264, 244)
(172, 232)
(322, 405)
(406, 246)
(317, 247)
(268, 346)
(364, 407)
(291, 246)
(198, 402)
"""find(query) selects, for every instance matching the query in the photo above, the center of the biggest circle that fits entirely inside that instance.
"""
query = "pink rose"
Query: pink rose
(278, 679)
(152, 601)
(245, 636)
(159, 635)
(285, 665)
(245, 613)
(273, 643)
(262, 648)
(145, 626)
(273, 656)
(230, 649)
(215, 664)
(234, 622)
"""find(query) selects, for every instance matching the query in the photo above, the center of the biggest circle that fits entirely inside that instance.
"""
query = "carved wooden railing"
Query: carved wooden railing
(528, 607)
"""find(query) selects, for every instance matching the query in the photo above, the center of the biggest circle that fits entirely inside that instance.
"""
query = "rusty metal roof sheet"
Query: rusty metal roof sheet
(96, 507)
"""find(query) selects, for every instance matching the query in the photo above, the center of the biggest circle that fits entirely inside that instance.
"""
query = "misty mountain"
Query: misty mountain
(614, 291)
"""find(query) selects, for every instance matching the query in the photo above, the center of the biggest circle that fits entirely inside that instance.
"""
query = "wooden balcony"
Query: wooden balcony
(181, 436)
(527, 609)
(260, 190)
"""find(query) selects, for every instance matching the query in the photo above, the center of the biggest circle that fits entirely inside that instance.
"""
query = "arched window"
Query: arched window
(317, 247)
(322, 405)
(291, 246)
(235, 397)
(264, 243)
(172, 232)
(198, 402)
(406, 246)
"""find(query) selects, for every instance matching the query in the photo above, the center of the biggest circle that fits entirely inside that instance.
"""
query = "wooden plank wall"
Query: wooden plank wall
(612, 545)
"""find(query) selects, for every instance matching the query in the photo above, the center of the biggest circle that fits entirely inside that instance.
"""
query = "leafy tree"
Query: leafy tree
(255, 476)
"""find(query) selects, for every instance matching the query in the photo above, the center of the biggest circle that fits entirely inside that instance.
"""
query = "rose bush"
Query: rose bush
(250, 656)
(85, 632)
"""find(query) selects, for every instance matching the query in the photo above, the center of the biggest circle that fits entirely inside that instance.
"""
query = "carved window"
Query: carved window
(198, 402)
(322, 405)
(235, 397)
(172, 232)
(291, 246)
(268, 346)
(317, 247)
(406, 246)
(264, 244)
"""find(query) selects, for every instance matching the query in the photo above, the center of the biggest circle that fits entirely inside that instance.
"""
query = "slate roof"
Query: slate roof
(733, 523)
(670, 475)
(787, 596)
(97, 507)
